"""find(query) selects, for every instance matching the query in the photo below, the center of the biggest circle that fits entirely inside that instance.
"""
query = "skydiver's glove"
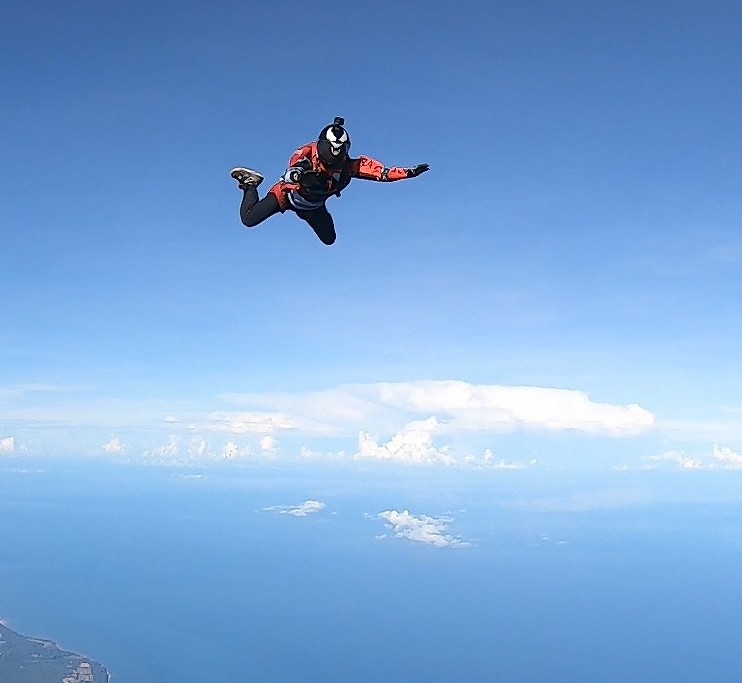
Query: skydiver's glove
(292, 175)
(417, 170)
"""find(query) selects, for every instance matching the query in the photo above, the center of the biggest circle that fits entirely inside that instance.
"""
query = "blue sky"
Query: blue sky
(560, 290)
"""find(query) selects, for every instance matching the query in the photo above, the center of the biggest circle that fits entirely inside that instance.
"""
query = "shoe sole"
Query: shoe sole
(245, 176)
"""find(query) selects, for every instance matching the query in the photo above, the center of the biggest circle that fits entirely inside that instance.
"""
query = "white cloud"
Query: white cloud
(307, 454)
(251, 422)
(727, 458)
(232, 451)
(722, 457)
(414, 445)
(457, 406)
(330, 412)
(114, 447)
(269, 445)
(7, 444)
(489, 459)
(676, 458)
(166, 452)
(505, 465)
(305, 509)
(198, 449)
(422, 529)
(500, 408)
(419, 422)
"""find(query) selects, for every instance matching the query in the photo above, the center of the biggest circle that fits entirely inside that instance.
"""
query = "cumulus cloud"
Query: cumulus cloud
(413, 445)
(114, 447)
(727, 458)
(167, 452)
(269, 445)
(198, 449)
(7, 444)
(231, 451)
(422, 529)
(305, 509)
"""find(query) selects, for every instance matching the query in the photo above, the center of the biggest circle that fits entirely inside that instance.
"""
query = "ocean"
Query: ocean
(187, 575)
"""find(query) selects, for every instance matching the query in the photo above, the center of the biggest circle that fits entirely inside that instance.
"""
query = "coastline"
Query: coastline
(27, 659)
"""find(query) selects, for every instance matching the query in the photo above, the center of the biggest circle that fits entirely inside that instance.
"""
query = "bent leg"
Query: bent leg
(253, 211)
(321, 222)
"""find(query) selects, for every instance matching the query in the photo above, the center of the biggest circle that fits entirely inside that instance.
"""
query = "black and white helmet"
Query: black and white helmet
(334, 143)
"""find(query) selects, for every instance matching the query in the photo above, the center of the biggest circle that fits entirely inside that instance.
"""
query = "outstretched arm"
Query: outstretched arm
(370, 169)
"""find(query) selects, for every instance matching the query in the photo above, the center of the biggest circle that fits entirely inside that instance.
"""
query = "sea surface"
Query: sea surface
(199, 574)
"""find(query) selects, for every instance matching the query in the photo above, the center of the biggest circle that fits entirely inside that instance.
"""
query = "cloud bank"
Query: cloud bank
(466, 407)
(455, 406)
(418, 423)
(416, 416)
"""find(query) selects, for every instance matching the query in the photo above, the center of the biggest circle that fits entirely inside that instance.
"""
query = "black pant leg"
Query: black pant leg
(321, 222)
(253, 211)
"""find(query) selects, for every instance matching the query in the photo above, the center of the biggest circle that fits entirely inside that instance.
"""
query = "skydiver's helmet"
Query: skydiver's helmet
(333, 144)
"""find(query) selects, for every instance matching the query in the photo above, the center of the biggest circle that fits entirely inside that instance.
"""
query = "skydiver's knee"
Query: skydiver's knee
(328, 239)
(250, 221)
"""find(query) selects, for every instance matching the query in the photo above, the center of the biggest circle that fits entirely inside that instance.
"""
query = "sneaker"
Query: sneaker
(246, 178)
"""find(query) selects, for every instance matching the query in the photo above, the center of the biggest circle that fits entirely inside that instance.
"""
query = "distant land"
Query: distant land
(34, 660)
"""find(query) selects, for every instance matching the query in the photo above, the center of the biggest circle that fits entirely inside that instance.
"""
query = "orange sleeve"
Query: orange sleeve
(370, 169)
(304, 152)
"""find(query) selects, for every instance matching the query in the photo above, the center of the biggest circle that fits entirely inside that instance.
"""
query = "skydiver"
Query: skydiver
(316, 172)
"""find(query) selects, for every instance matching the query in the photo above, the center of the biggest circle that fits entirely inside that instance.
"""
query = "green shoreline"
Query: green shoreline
(37, 660)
